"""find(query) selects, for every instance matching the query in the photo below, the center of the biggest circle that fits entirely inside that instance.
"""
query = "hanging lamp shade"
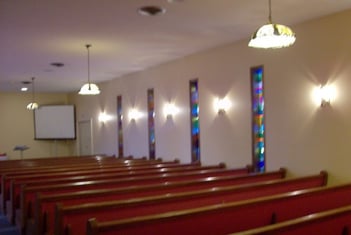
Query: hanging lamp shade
(270, 36)
(89, 88)
(32, 105)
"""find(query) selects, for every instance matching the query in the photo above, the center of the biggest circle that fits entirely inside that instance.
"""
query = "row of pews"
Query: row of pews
(103, 195)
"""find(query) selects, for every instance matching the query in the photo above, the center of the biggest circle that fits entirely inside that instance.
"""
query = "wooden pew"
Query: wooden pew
(330, 222)
(40, 176)
(52, 162)
(6, 179)
(45, 201)
(75, 163)
(46, 161)
(78, 164)
(72, 219)
(63, 164)
(44, 179)
(28, 193)
(230, 217)
(71, 163)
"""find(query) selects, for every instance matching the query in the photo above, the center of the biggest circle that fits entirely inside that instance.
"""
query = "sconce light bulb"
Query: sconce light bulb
(134, 114)
(170, 110)
(326, 94)
(104, 117)
(222, 105)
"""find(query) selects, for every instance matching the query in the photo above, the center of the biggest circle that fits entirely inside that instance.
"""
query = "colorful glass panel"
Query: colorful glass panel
(258, 117)
(151, 123)
(119, 126)
(195, 121)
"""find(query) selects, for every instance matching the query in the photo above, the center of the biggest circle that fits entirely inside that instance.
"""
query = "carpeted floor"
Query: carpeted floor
(6, 228)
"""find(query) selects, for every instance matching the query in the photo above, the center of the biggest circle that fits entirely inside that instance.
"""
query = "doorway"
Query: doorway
(85, 138)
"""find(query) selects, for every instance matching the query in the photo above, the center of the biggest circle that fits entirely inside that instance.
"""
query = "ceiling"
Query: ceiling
(36, 33)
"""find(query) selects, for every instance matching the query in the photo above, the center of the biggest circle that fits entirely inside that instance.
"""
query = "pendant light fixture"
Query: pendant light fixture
(89, 88)
(33, 105)
(272, 35)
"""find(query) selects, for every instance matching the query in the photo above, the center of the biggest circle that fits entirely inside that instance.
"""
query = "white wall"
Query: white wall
(300, 136)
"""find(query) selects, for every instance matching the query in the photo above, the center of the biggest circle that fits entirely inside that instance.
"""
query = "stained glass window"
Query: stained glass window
(151, 123)
(258, 123)
(195, 122)
(119, 126)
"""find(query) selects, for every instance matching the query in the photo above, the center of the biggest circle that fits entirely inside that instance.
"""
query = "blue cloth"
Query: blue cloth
(6, 228)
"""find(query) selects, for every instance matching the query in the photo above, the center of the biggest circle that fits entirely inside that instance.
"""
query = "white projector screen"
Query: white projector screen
(54, 122)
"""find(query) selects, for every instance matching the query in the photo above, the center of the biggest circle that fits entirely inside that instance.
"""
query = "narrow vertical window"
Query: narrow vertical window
(258, 122)
(151, 123)
(194, 120)
(119, 126)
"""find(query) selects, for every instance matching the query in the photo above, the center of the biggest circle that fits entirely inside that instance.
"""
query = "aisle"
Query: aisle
(6, 228)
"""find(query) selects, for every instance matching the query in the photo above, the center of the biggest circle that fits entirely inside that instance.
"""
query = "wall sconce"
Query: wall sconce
(134, 114)
(170, 110)
(104, 117)
(222, 105)
(325, 95)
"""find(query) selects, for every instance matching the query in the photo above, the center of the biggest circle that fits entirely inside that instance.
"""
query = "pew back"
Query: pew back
(329, 222)
(73, 218)
(230, 217)
(45, 201)
(28, 193)
(33, 171)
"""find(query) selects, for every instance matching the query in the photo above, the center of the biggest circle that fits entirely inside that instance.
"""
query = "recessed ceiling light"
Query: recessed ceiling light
(172, 1)
(24, 88)
(151, 10)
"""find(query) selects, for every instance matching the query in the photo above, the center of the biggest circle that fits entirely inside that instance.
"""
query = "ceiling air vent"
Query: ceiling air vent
(151, 10)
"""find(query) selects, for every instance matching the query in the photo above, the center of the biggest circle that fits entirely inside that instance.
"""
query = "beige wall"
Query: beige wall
(300, 136)
(17, 127)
